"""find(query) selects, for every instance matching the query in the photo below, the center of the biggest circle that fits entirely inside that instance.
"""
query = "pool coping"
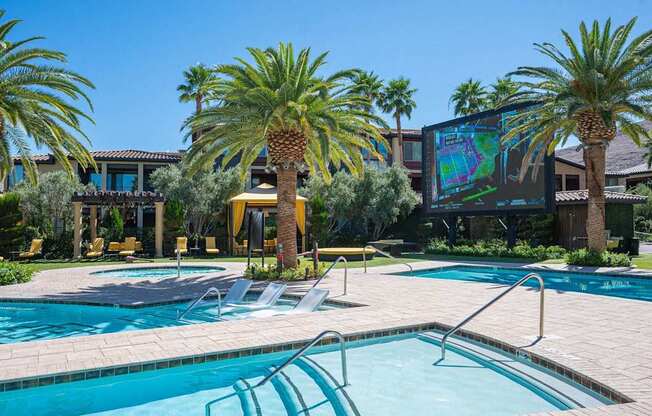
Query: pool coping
(108, 371)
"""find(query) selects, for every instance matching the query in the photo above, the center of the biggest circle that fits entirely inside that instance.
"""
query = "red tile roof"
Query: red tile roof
(120, 155)
(412, 133)
(570, 197)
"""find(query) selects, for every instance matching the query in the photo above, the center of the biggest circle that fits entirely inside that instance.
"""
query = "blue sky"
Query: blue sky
(135, 51)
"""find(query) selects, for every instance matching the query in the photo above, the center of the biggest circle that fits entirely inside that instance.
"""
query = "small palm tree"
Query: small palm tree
(469, 97)
(199, 81)
(397, 99)
(33, 105)
(305, 120)
(500, 92)
(594, 89)
(368, 85)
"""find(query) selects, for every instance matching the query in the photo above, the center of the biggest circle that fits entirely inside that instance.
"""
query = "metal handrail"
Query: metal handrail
(199, 299)
(389, 256)
(346, 272)
(303, 350)
(494, 300)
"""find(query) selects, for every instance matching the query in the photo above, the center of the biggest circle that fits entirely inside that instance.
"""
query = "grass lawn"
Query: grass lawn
(643, 261)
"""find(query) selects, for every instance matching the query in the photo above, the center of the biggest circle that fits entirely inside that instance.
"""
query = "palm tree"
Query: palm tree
(397, 99)
(199, 81)
(305, 120)
(33, 105)
(591, 92)
(469, 97)
(501, 90)
(369, 85)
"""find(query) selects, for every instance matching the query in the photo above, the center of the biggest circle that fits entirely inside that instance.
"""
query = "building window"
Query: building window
(17, 175)
(412, 151)
(612, 181)
(95, 179)
(572, 182)
(558, 183)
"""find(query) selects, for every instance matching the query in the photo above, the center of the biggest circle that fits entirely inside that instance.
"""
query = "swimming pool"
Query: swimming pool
(388, 376)
(592, 283)
(22, 322)
(156, 272)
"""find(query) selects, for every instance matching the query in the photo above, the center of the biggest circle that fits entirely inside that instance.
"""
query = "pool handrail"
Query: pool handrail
(346, 272)
(305, 348)
(389, 256)
(494, 300)
(199, 299)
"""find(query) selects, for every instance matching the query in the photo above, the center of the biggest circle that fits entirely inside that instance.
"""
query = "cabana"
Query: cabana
(263, 196)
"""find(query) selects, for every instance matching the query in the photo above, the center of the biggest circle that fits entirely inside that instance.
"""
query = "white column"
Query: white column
(77, 229)
(105, 172)
(158, 229)
(139, 210)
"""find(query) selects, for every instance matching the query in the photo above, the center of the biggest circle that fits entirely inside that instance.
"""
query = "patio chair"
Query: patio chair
(182, 246)
(267, 298)
(211, 248)
(310, 302)
(237, 291)
(240, 249)
(96, 249)
(35, 249)
(129, 247)
(114, 247)
(270, 246)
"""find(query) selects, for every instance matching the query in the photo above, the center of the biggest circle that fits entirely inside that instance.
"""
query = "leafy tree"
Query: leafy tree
(113, 225)
(397, 99)
(319, 220)
(46, 205)
(468, 98)
(202, 196)
(591, 92)
(500, 91)
(32, 105)
(11, 228)
(303, 118)
(367, 204)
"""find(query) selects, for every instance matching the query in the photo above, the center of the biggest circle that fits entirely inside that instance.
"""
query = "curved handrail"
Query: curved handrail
(346, 272)
(494, 300)
(389, 256)
(199, 299)
(303, 350)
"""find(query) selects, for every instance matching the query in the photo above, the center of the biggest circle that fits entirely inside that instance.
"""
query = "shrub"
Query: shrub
(12, 273)
(584, 257)
(11, 228)
(270, 272)
(496, 248)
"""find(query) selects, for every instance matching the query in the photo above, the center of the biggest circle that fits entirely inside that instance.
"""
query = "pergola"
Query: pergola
(94, 199)
(262, 196)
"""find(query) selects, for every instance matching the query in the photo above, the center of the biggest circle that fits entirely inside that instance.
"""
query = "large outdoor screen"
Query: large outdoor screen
(468, 169)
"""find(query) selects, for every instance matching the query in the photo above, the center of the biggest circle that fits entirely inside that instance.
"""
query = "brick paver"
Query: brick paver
(606, 339)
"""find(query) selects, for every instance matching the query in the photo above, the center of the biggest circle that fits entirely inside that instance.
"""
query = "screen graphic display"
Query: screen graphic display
(471, 170)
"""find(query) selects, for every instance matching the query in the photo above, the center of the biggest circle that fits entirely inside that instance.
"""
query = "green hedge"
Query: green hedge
(496, 248)
(584, 257)
(270, 272)
(12, 273)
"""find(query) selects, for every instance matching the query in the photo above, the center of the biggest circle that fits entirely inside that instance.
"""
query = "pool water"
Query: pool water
(156, 272)
(22, 322)
(592, 283)
(388, 376)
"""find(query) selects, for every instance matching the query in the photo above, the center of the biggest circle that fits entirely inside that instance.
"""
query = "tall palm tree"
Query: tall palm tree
(469, 97)
(199, 81)
(593, 90)
(33, 105)
(500, 91)
(397, 99)
(304, 119)
(368, 85)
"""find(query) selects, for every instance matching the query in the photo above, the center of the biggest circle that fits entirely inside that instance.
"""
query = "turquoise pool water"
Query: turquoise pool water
(21, 322)
(390, 376)
(156, 272)
(591, 283)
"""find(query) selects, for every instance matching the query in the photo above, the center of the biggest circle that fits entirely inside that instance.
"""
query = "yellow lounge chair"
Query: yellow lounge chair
(240, 249)
(34, 250)
(210, 246)
(96, 249)
(129, 247)
(182, 245)
(114, 247)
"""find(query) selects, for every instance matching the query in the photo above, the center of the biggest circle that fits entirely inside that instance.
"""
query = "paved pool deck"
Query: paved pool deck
(606, 339)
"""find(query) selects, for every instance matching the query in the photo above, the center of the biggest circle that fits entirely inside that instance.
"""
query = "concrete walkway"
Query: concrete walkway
(606, 339)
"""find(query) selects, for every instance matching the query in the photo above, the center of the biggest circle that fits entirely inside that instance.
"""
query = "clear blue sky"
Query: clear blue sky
(135, 50)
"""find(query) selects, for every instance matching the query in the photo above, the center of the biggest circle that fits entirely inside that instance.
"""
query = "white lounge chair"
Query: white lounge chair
(308, 303)
(237, 291)
(267, 298)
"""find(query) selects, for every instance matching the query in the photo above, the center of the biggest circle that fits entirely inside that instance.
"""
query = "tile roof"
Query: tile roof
(413, 133)
(570, 197)
(622, 153)
(120, 155)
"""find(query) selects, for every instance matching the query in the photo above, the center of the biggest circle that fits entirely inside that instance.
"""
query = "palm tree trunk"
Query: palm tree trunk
(198, 100)
(594, 160)
(286, 224)
(397, 144)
